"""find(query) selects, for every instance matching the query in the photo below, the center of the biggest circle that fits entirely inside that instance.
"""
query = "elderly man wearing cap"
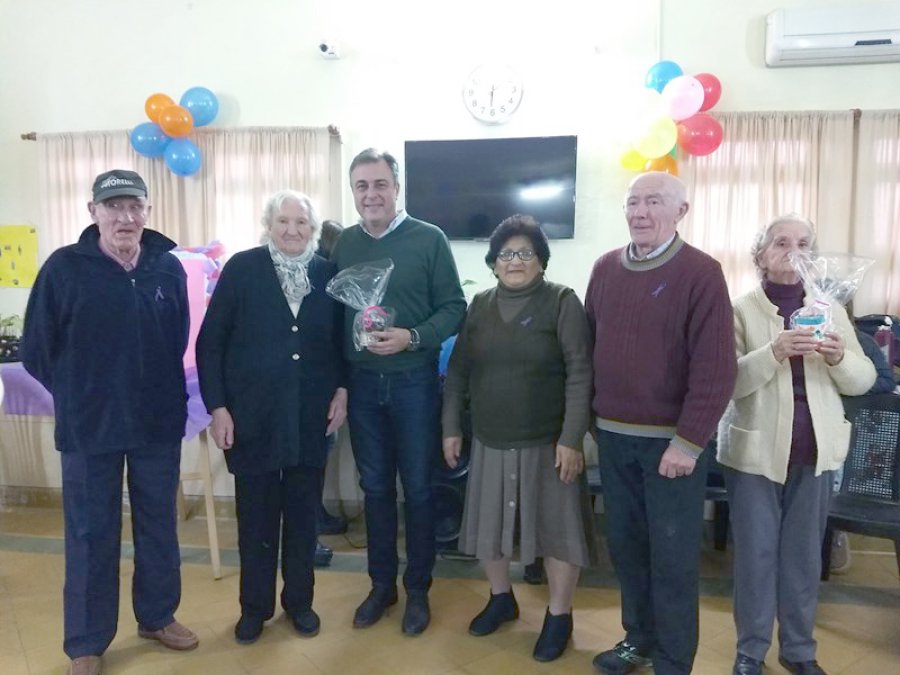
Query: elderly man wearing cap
(105, 331)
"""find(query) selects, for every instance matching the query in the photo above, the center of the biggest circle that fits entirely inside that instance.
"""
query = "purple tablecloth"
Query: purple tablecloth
(24, 395)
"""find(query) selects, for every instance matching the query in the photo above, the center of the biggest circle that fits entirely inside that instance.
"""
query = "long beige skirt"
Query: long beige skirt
(554, 519)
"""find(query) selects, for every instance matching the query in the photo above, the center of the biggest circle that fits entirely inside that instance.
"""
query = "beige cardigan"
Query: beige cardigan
(755, 433)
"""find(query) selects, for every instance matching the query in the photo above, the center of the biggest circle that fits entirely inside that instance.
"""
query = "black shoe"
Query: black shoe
(306, 623)
(501, 607)
(374, 606)
(801, 667)
(745, 665)
(329, 524)
(248, 629)
(417, 615)
(323, 555)
(554, 636)
(534, 572)
(621, 659)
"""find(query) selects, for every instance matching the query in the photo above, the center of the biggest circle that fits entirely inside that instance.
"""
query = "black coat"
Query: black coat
(276, 374)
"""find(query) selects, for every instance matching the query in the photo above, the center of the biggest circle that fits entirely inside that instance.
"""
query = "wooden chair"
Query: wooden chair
(204, 475)
(869, 500)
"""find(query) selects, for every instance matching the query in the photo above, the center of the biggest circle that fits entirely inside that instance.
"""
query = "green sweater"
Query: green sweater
(523, 362)
(424, 289)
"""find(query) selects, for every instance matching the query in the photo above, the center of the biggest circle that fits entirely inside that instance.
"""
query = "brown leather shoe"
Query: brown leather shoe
(173, 636)
(84, 665)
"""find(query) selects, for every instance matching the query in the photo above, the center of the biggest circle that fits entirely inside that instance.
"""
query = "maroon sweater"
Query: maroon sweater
(663, 351)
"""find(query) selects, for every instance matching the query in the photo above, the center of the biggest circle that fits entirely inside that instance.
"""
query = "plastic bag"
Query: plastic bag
(362, 287)
(830, 278)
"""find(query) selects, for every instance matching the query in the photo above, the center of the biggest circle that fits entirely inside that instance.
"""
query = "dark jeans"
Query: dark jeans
(92, 506)
(278, 502)
(654, 527)
(395, 428)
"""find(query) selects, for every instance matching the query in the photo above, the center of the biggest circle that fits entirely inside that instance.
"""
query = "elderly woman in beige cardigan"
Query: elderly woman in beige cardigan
(780, 443)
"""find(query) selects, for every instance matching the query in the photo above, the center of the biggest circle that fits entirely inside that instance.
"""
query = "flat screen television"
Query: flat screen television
(466, 187)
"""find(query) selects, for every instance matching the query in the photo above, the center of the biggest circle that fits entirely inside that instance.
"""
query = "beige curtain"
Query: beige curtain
(222, 201)
(877, 213)
(770, 163)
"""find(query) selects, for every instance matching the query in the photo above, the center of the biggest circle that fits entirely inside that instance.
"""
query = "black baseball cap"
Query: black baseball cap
(118, 183)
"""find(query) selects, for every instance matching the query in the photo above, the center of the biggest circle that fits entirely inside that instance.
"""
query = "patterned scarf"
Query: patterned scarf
(292, 272)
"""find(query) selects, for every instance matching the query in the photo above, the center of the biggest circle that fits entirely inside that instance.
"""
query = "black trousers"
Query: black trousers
(654, 526)
(279, 502)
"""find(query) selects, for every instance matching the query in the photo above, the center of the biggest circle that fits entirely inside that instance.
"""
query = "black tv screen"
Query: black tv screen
(466, 187)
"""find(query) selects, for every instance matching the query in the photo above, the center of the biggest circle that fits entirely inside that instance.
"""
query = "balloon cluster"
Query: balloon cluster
(673, 115)
(165, 135)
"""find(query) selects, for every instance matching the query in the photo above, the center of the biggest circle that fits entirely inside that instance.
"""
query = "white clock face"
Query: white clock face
(492, 93)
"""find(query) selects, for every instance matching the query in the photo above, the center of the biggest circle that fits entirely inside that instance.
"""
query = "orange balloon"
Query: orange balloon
(666, 164)
(176, 121)
(155, 104)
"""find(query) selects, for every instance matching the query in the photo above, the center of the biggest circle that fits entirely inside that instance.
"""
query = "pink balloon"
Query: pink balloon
(700, 134)
(712, 90)
(682, 97)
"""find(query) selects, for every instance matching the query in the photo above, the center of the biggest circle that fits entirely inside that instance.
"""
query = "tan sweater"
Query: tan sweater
(755, 434)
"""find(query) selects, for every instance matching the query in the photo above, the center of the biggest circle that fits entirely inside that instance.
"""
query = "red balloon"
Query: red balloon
(700, 134)
(712, 90)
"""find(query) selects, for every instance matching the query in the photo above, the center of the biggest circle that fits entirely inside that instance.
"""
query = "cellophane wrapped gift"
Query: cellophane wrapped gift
(830, 278)
(362, 287)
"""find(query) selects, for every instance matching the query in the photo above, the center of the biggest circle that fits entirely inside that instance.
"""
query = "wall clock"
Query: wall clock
(492, 93)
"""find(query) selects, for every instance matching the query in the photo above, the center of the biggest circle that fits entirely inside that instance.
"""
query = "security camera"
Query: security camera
(329, 50)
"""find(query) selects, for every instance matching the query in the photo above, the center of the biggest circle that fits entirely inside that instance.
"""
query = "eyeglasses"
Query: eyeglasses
(525, 255)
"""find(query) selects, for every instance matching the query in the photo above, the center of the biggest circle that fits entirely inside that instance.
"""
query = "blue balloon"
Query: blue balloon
(202, 104)
(149, 140)
(183, 157)
(660, 73)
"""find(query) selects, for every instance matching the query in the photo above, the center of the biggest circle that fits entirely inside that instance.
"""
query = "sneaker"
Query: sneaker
(621, 659)
(840, 553)
(323, 555)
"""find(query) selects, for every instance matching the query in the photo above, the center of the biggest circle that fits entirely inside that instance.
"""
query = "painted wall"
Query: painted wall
(89, 65)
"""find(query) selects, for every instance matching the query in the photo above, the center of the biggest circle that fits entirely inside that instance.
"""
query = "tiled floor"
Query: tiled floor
(858, 627)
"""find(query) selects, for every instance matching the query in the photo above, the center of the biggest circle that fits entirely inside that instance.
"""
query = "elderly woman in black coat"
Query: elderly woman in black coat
(271, 375)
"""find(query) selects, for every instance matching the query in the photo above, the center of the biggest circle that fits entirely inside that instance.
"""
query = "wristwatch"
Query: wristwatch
(413, 340)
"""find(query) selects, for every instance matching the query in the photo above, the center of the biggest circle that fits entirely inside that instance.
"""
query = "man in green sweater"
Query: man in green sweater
(394, 395)
(664, 371)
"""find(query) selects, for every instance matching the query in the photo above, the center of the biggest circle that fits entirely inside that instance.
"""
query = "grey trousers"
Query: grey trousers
(778, 532)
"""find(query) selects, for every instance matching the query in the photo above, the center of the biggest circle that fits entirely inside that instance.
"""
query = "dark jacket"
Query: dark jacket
(276, 374)
(108, 344)
(884, 382)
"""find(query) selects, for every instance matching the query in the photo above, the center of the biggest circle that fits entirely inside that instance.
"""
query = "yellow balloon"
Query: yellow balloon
(658, 139)
(632, 160)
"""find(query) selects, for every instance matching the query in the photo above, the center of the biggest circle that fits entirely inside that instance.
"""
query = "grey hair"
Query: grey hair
(764, 237)
(373, 156)
(273, 206)
(674, 186)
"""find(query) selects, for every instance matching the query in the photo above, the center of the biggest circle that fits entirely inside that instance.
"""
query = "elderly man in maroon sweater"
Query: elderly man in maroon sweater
(664, 370)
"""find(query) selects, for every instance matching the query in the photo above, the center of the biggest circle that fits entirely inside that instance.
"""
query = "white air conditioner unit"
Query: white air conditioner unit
(867, 33)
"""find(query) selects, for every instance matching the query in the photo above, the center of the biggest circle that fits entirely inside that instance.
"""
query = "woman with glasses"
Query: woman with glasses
(522, 363)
